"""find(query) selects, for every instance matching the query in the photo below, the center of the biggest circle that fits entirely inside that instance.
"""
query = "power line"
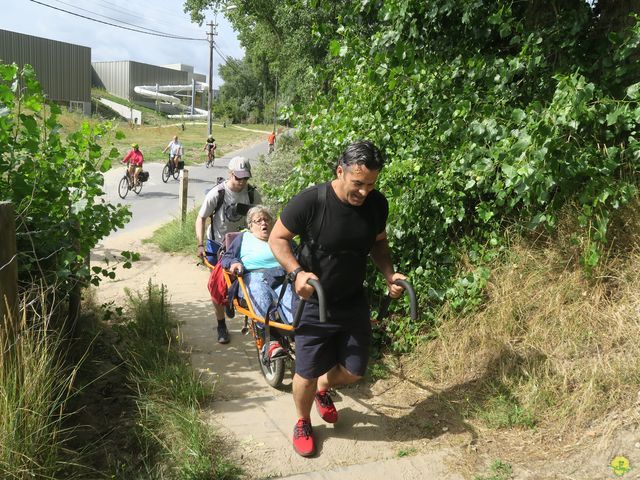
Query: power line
(175, 37)
(110, 18)
(135, 14)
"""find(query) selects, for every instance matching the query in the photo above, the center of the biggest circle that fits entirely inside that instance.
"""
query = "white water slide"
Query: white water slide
(155, 92)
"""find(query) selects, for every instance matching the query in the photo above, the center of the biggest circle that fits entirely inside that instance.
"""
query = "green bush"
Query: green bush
(493, 130)
(54, 183)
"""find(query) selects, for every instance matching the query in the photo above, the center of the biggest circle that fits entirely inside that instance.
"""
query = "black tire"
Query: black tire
(123, 187)
(137, 188)
(176, 173)
(165, 173)
(274, 371)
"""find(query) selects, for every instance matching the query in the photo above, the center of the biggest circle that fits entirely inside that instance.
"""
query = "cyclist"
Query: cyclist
(134, 159)
(175, 151)
(210, 148)
(271, 140)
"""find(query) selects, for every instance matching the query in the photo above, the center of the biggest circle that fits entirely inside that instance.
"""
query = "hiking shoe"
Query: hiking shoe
(223, 334)
(275, 350)
(303, 438)
(325, 407)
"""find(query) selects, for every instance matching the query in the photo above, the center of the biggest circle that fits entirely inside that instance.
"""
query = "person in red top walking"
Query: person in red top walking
(271, 140)
(135, 159)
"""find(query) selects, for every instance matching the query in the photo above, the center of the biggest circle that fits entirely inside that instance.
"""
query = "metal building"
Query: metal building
(63, 69)
(198, 77)
(120, 77)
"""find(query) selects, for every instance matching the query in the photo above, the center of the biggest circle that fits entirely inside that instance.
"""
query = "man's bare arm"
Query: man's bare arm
(200, 235)
(381, 256)
(280, 244)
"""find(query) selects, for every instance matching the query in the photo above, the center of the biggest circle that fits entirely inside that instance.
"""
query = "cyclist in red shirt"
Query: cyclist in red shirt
(271, 140)
(134, 159)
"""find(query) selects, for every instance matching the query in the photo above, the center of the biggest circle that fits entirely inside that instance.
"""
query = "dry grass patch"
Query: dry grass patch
(553, 347)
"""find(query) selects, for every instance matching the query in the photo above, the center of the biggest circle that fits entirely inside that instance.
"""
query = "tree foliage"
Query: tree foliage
(287, 40)
(494, 114)
(54, 183)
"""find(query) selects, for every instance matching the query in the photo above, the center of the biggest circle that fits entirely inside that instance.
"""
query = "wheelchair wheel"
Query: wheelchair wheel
(274, 371)
(166, 173)
(123, 187)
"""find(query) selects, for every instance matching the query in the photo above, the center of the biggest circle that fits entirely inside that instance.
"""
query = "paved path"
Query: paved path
(159, 202)
(256, 419)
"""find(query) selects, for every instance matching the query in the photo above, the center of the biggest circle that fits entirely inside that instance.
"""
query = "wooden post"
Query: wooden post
(8, 265)
(184, 184)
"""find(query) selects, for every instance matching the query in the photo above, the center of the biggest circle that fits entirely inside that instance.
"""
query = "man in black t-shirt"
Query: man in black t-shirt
(341, 224)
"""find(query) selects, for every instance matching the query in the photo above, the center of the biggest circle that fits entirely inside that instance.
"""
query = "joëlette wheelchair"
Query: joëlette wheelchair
(263, 330)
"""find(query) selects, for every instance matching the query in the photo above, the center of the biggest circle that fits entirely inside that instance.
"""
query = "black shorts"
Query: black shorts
(345, 339)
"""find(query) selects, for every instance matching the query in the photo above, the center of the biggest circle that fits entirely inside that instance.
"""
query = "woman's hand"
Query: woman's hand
(236, 268)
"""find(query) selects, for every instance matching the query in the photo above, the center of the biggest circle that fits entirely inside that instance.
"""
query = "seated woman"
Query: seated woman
(249, 254)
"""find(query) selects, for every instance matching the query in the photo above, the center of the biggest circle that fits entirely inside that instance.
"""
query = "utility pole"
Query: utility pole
(210, 35)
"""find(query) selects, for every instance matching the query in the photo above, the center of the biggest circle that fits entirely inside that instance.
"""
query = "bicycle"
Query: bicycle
(210, 158)
(126, 184)
(170, 170)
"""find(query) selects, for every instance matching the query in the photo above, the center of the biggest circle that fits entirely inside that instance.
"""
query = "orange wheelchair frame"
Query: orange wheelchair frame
(274, 369)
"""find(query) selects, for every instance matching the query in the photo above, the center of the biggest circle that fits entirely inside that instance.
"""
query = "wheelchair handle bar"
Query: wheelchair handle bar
(413, 304)
(322, 306)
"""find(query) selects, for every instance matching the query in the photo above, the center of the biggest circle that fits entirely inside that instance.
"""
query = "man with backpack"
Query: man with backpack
(340, 224)
(226, 205)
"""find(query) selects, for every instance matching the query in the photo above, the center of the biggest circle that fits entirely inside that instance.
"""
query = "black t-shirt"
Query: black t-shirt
(346, 237)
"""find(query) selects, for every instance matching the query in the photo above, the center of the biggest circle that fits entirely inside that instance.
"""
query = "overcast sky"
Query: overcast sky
(112, 43)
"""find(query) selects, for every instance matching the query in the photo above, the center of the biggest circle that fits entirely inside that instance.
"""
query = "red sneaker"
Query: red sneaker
(303, 438)
(275, 350)
(325, 407)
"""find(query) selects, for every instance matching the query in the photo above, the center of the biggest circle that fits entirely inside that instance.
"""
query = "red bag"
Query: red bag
(217, 286)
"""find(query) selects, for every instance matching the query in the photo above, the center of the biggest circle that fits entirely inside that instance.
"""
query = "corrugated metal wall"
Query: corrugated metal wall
(63, 69)
(113, 77)
(120, 77)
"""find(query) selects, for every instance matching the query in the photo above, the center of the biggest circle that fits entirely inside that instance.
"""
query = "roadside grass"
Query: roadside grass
(503, 411)
(499, 471)
(175, 236)
(406, 452)
(176, 442)
(154, 137)
(554, 347)
(35, 387)
(139, 399)
(378, 370)
(149, 116)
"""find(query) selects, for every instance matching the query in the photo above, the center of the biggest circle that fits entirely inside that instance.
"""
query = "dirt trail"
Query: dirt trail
(256, 419)
(396, 428)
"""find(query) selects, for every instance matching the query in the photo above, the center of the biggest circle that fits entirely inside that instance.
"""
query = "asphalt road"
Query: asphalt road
(158, 202)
